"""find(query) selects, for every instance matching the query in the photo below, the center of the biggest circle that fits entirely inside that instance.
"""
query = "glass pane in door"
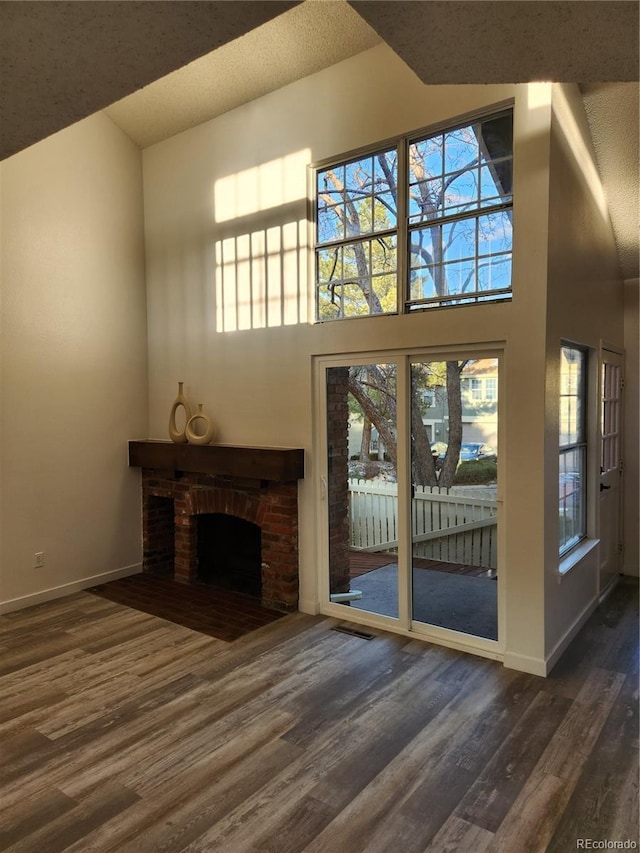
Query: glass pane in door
(362, 491)
(454, 465)
(610, 516)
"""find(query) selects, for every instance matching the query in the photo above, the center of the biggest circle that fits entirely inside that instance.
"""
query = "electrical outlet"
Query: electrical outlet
(38, 560)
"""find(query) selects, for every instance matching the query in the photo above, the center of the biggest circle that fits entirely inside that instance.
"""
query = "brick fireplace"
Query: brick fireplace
(184, 485)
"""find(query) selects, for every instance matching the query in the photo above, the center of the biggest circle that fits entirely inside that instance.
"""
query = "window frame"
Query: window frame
(403, 227)
(580, 445)
(490, 389)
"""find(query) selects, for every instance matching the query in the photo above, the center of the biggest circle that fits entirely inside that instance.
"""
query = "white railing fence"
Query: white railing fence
(456, 525)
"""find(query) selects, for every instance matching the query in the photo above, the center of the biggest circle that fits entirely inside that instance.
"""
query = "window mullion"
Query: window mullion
(403, 229)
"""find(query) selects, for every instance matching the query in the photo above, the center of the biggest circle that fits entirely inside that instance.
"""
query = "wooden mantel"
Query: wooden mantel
(277, 464)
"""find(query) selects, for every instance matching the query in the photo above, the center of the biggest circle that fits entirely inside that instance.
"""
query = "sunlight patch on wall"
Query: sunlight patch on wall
(261, 278)
(262, 187)
(582, 151)
(261, 256)
(538, 95)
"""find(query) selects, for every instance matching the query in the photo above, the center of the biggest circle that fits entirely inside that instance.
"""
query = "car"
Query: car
(471, 451)
(438, 449)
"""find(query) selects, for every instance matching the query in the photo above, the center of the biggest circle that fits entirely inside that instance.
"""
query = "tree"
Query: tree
(356, 207)
(373, 388)
(453, 176)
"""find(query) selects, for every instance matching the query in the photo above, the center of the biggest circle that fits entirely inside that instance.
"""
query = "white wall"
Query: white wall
(240, 180)
(631, 428)
(73, 361)
(585, 306)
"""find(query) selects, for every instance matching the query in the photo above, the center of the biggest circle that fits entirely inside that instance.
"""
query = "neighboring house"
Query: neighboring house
(479, 397)
(128, 268)
(479, 392)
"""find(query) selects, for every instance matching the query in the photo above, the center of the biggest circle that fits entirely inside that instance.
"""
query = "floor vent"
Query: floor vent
(353, 632)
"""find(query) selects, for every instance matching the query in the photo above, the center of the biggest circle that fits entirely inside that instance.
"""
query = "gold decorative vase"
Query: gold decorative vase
(201, 421)
(178, 436)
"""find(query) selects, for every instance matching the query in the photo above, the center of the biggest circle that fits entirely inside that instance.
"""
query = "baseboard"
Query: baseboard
(564, 642)
(308, 605)
(67, 589)
(525, 663)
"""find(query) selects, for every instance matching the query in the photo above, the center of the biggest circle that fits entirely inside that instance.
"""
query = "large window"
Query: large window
(573, 447)
(442, 203)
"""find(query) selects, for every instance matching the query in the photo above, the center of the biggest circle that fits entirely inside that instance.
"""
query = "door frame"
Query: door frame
(403, 625)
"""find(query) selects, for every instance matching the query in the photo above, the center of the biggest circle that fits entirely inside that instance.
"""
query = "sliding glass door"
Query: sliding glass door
(410, 491)
(454, 468)
(362, 486)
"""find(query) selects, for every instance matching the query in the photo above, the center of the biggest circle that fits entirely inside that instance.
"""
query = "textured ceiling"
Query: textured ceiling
(62, 61)
(300, 42)
(613, 116)
(482, 41)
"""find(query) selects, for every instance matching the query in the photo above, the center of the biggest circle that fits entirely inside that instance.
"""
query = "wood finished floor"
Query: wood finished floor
(123, 732)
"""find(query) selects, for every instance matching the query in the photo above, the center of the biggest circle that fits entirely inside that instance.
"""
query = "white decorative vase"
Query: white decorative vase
(178, 436)
(204, 422)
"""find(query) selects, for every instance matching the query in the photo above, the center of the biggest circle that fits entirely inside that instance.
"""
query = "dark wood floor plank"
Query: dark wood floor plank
(448, 774)
(532, 820)
(325, 759)
(73, 824)
(582, 724)
(459, 836)
(278, 801)
(125, 733)
(22, 625)
(138, 658)
(187, 824)
(309, 817)
(174, 812)
(40, 699)
(595, 809)
(393, 717)
(91, 679)
(369, 814)
(280, 642)
(25, 655)
(119, 745)
(609, 640)
(374, 816)
(32, 814)
(494, 792)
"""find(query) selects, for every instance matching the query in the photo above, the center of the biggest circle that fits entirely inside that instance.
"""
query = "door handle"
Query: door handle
(603, 487)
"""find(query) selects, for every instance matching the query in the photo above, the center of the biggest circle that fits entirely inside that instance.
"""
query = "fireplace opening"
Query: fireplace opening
(230, 553)
(160, 535)
(236, 532)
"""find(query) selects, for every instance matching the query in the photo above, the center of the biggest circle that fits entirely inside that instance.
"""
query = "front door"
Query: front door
(610, 468)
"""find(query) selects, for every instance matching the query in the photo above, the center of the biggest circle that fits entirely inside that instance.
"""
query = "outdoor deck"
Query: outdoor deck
(361, 562)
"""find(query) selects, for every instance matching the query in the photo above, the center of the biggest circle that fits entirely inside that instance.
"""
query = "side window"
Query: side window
(573, 447)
